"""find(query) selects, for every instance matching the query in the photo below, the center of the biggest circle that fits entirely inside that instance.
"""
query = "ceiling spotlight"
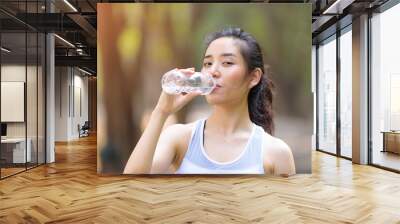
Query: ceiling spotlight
(5, 50)
(337, 7)
(65, 41)
(84, 71)
(70, 5)
(79, 51)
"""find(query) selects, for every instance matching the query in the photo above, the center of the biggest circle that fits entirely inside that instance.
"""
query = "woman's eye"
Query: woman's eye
(206, 64)
(228, 63)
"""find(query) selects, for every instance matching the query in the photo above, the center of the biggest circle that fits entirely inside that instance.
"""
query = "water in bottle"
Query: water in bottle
(176, 82)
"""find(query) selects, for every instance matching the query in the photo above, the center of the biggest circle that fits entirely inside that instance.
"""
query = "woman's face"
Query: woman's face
(226, 64)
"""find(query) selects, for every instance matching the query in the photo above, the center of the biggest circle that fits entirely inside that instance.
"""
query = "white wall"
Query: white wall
(16, 73)
(61, 103)
(12, 101)
(33, 126)
(80, 102)
(13, 73)
(71, 94)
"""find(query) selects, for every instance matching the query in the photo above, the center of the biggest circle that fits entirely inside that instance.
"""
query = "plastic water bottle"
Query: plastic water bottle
(176, 82)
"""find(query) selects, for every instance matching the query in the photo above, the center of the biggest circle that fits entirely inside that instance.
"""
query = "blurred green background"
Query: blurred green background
(139, 42)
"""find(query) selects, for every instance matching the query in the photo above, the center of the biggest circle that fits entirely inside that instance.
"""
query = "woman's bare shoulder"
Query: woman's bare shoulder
(278, 157)
(179, 133)
(274, 144)
(180, 129)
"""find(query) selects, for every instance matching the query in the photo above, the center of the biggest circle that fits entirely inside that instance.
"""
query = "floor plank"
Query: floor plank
(70, 191)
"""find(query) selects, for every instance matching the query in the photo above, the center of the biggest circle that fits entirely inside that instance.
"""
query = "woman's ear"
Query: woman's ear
(255, 77)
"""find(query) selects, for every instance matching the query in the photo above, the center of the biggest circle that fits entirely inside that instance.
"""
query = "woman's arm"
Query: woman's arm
(167, 150)
(141, 159)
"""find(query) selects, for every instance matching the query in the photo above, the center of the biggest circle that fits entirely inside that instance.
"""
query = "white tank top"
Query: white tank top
(196, 161)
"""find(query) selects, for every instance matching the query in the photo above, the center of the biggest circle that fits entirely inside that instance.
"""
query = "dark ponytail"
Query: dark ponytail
(260, 96)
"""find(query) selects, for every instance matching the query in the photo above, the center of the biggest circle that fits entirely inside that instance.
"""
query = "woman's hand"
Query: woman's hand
(169, 103)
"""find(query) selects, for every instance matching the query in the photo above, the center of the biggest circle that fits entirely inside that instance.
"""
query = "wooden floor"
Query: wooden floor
(10, 171)
(70, 191)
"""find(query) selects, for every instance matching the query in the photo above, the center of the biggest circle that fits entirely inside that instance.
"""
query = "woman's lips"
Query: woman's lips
(216, 87)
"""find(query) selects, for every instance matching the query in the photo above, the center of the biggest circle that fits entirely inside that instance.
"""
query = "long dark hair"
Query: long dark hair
(260, 96)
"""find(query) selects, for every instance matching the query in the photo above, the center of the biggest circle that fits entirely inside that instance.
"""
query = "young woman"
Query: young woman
(237, 137)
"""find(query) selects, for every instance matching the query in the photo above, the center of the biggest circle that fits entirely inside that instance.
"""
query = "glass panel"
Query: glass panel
(31, 101)
(41, 98)
(345, 94)
(314, 90)
(327, 96)
(386, 89)
(22, 63)
(13, 87)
